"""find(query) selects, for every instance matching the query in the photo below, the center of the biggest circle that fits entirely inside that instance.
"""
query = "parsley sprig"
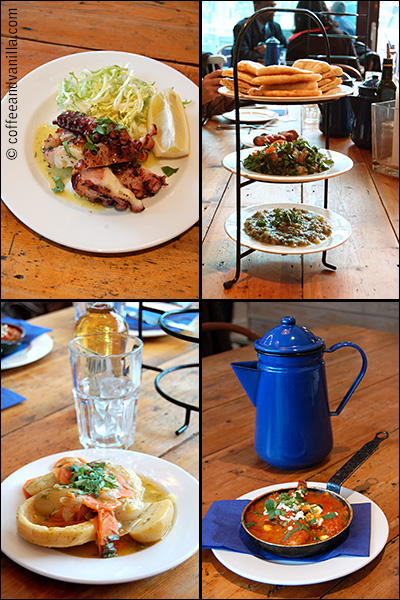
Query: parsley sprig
(91, 479)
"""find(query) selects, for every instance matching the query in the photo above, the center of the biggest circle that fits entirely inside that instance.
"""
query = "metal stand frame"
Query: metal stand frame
(239, 185)
(162, 372)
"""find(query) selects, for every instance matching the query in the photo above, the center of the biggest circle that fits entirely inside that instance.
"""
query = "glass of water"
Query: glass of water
(106, 369)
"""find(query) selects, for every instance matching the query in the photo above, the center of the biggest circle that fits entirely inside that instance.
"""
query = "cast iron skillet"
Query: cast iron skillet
(333, 487)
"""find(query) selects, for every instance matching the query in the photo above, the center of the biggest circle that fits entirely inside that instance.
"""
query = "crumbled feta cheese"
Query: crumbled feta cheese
(299, 515)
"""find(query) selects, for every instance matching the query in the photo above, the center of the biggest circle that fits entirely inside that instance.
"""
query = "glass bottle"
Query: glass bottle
(101, 317)
(386, 89)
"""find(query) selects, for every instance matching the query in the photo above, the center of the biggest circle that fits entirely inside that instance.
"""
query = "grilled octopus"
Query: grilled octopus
(105, 160)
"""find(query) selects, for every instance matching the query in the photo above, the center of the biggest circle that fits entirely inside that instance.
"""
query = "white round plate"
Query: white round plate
(341, 230)
(283, 572)
(342, 163)
(252, 115)
(27, 194)
(178, 545)
(38, 348)
(338, 92)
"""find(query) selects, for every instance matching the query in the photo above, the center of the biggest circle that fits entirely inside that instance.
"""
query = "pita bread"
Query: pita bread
(317, 66)
(242, 75)
(299, 85)
(278, 70)
(243, 86)
(249, 66)
(283, 93)
(330, 86)
(326, 81)
(277, 79)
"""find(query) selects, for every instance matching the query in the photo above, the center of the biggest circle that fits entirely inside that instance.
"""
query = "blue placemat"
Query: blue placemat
(222, 531)
(31, 332)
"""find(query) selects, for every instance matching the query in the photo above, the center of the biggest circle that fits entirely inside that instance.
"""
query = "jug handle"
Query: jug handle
(357, 379)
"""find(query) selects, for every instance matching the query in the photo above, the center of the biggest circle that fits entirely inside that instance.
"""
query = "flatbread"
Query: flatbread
(277, 79)
(318, 66)
(229, 84)
(299, 85)
(330, 86)
(249, 66)
(278, 70)
(326, 81)
(242, 75)
(310, 64)
(284, 93)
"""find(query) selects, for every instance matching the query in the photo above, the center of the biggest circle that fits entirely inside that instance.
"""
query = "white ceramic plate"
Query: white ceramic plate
(338, 92)
(38, 348)
(283, 572)
(341, 230)
(252, 115)
(342, 163)
(179, 544)
(27, 194)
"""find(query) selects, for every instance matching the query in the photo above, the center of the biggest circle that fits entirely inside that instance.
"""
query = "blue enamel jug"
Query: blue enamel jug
(287, 385)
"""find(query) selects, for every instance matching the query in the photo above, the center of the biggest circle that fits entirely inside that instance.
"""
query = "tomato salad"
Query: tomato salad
(281, 157)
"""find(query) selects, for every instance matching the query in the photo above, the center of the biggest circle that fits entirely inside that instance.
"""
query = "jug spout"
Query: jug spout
(248, 375)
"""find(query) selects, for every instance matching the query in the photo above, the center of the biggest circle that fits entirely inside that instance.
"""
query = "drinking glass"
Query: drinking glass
(106, 369)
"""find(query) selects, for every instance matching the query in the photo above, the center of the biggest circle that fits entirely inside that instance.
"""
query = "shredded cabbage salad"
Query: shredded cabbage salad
(111, 92)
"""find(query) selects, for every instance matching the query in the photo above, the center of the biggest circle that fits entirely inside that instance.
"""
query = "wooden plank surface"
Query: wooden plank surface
(35, 267)
(366, 263)
(231, 466)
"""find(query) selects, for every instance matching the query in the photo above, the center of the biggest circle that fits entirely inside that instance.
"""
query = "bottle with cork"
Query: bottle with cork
(386, 89)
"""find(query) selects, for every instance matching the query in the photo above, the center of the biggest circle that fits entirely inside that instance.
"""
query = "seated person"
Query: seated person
(260, 30)
(211, 101)
(340, 46)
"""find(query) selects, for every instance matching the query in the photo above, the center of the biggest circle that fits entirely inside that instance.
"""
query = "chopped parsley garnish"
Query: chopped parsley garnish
(91, 479)
(59, 185)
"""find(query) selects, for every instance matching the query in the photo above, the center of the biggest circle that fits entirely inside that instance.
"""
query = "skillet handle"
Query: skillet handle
(355, 461)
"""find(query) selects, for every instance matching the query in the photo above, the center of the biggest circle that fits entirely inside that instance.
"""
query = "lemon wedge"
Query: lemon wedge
(167, 113)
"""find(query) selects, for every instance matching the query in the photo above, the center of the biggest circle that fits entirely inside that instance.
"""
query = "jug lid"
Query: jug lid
(289, 338)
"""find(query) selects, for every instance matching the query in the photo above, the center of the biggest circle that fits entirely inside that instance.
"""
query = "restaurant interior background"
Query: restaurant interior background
(258, 317)
(366, 196)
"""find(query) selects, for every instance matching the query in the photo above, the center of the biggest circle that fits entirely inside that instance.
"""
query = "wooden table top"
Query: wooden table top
(231, 466)
(34, 267)
(45, 423)
(366, 263)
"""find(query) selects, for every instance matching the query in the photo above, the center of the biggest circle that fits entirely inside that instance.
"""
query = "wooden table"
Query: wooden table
(34, 267)
(367, 263)
(46, 424)
(231, 466)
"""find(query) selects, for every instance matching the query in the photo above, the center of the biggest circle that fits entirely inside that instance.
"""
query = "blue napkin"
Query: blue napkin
(222, 531)
(31, 332)
(9, 398)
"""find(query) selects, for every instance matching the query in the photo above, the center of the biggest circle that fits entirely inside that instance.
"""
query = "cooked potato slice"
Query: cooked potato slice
(48, 501)
(41, 483)
(154, 522)
(56, 537)
(129, 510)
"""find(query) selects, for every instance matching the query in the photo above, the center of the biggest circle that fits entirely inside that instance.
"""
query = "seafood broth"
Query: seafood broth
(126, 545)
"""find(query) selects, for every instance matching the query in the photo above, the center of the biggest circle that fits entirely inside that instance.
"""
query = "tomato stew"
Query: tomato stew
(296, 517)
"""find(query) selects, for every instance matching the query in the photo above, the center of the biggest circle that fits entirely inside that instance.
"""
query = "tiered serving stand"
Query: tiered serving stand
(270, 100)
